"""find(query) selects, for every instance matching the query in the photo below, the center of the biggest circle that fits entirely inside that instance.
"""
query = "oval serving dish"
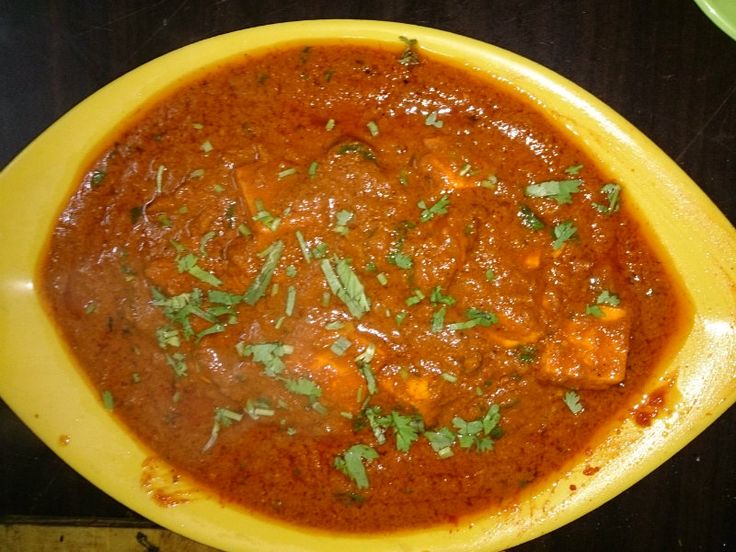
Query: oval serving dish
(40, 382)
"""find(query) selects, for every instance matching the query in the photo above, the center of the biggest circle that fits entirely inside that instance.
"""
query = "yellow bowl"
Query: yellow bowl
(42, 385)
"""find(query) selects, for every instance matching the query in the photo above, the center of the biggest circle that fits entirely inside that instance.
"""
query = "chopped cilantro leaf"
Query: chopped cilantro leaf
(607, 298)
(223, 418)
(415, 299)
(356, 147)
(406, 429)
(178, 362)
(168, 337)
(312, 170)
(341, 220)
(303, 386)
(258, 287)
(479, 432)
(604, 298)
(223, 297)
(341, 345)
(268, 354)
(433, 120)
(449, 377)
(439, 208)
(559, 190)
(351, 463)
(438, 319)
(363, 361)
(526, 353)
(160, 178)
(258, 408)
(180, 307)
(303, 246)
(286, 172)
(573, 170)
(529, 219)
(437, 297)
(346, 285)
(475, 317)
(290, 300)
(244, 231)
(572, 400)
(108, 401)
(264, 217)
(188, 264)
(491, 182)
(613, 194)
(562, 233)
(319, 251)
(466, 170)
(203, 243)
(97, 177)
(400, 259)
(372, 128)
(206, 147)
(441, 441)
(409, 56)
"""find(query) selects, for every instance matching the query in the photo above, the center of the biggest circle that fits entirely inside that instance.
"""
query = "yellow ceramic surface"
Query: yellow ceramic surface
(40, 383)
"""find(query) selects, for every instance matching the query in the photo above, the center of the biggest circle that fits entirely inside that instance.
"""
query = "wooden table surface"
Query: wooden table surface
(662, 64)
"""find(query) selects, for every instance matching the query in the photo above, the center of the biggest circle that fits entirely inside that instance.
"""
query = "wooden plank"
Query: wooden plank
(40, 538)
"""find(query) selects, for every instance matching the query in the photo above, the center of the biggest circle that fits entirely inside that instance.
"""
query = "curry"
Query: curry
(356, 288)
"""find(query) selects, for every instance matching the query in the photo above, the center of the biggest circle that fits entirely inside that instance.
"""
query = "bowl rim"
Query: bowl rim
(60, 407)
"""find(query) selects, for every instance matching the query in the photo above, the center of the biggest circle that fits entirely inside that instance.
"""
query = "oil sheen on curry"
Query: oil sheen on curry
(356, 288)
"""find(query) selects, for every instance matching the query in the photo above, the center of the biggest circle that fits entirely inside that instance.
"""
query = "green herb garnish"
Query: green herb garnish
(258, 287)
(178, 362)
(475, 317)
(346, 285)
(341, 220)
(559, 190)
(286, 172)
(441, 441)
(108, 401)
(303, 386)
(290, 300)
(97, 177)
(433, 120)
(563, 232)
(264, 217)
(529, 219)
(223, 418)
(372, 128)
(409, 56)
(439, 208)
(613, 195)
(188, 264)
(268, 354)
(341, 345)
(415, 299)
(351, 463)
(572, 400)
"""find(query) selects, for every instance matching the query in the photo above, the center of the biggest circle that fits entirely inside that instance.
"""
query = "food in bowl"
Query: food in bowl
(358, 288)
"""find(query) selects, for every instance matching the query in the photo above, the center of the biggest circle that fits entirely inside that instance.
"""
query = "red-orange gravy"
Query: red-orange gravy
(356, 288)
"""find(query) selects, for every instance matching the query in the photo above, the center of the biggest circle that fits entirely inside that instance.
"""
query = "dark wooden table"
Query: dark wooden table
(660, 63)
